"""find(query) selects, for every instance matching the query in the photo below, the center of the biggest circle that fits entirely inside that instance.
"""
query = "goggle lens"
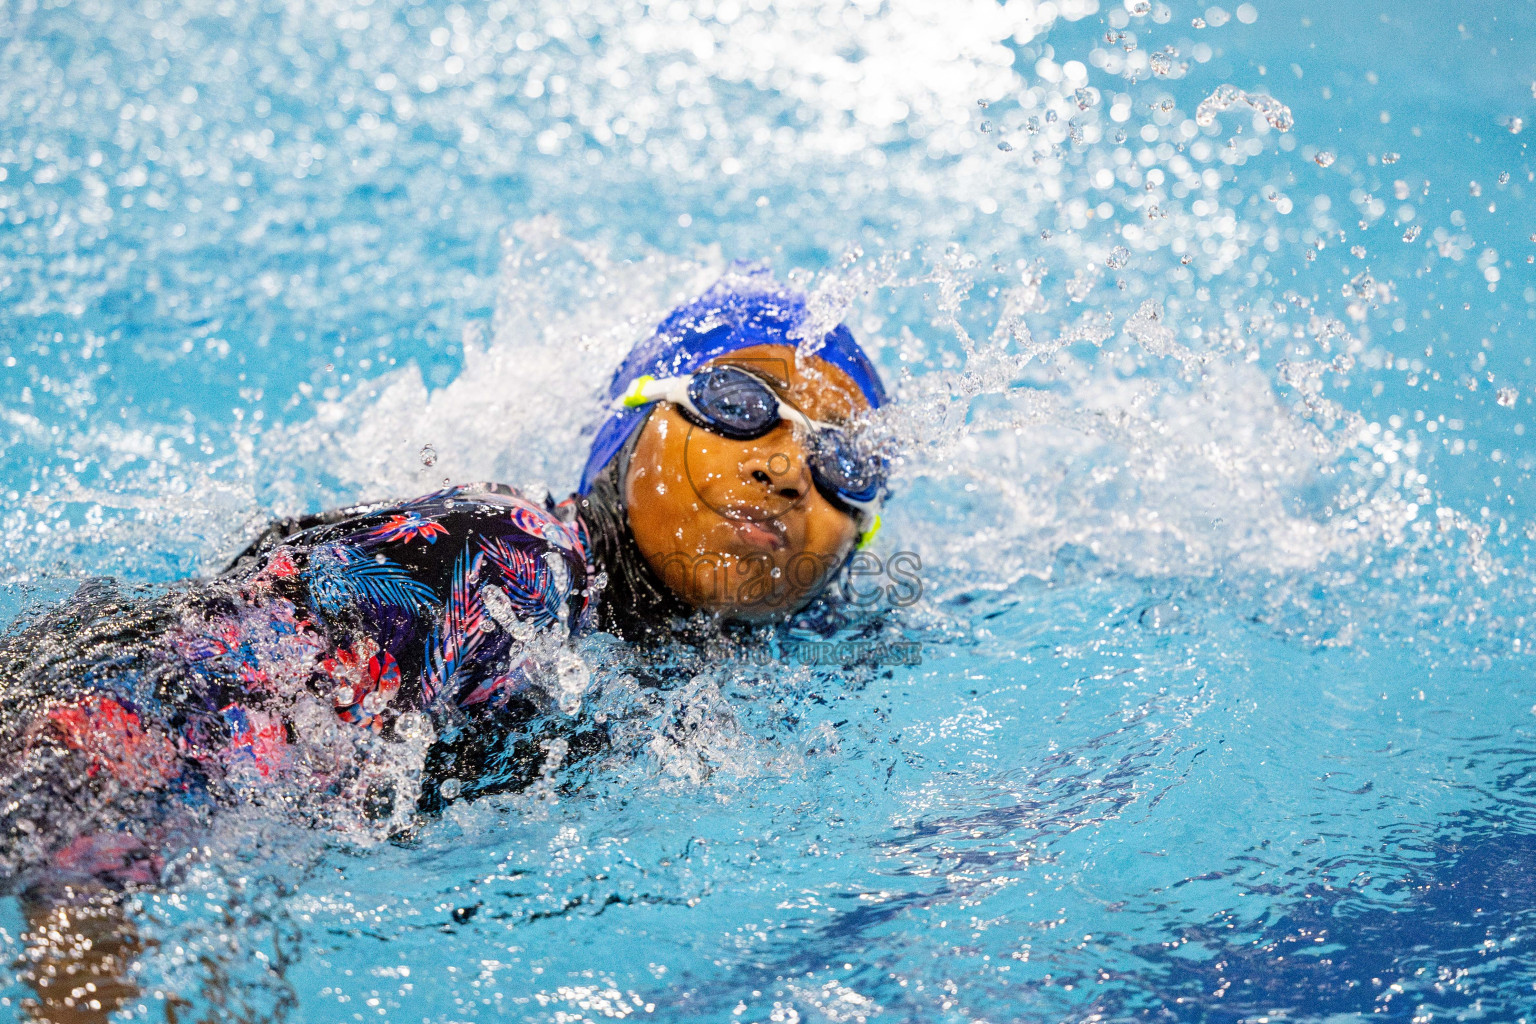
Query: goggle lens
(737, 404)
(840, 467)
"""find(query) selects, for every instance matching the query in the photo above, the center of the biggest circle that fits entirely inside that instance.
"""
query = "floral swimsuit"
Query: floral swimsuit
(413, 606)
(436, 605)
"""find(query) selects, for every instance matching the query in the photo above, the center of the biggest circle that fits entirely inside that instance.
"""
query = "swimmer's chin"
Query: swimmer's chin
(754, 614)
(750, 599)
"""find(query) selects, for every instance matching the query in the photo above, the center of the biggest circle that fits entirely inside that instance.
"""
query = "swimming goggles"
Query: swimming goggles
(733, 403)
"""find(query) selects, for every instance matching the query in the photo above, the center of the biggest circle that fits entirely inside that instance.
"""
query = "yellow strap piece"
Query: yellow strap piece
(633, 395)
(868, 536)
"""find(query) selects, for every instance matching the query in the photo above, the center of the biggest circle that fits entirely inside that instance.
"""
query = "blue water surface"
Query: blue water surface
(1215, 419)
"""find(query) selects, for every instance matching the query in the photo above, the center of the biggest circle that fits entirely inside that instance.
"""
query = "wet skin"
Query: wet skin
(737, 527)
(80, 946)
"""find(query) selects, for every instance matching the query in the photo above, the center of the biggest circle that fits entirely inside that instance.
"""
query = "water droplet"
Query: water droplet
(1161, 63)
(1032, 126)
(1005, 146)
(1119, 135)
(1050, 117)
(1503, 177)
(1118, 257)
(574, 678)
(1358, 251)
(1475, 188)
(1197, 23)
(1390, 158)
(983, 104)
(451, 788)
(428, 455)
(1324, 158)
(1186, 259)
(1046, 235)
(985, 126)
(1224, 97)
(1085, 98)
(411, 726)
(1516, 125)
(1139, 8)
(1412, 233)
(374, 702)
(1507, 397)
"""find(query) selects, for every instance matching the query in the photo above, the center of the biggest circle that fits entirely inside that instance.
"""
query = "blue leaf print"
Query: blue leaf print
(454, 640)
(339, 576)
(527, 580)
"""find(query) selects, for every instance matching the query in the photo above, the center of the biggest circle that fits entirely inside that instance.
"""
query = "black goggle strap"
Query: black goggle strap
(647, 389)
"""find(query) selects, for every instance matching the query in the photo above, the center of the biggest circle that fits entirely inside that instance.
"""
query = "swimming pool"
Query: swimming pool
(1215, 406)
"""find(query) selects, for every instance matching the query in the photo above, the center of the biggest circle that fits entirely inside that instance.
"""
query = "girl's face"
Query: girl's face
(738, 527)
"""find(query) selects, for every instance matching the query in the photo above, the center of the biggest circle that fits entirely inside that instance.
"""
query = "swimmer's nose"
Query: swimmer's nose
(783, 473)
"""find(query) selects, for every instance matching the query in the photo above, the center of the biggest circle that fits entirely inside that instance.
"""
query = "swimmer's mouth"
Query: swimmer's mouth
(769, 534)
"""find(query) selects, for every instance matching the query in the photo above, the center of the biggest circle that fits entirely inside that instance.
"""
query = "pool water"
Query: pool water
(1214, 408)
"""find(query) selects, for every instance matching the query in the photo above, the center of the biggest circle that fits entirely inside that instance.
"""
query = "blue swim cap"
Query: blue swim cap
(746, 307)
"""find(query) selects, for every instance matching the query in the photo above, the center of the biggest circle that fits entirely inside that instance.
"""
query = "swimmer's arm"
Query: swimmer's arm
(279, 530)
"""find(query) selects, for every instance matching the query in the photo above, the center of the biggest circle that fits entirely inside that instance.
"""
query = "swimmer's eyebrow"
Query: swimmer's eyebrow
(758, 368)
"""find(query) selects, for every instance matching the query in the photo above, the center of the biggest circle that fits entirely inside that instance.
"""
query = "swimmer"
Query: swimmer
(729, 482)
